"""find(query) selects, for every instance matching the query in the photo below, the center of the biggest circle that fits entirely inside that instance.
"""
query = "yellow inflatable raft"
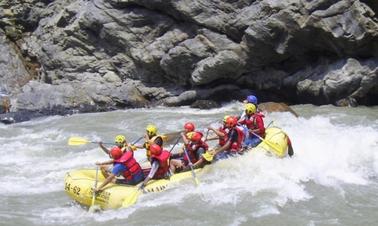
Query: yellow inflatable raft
(79, 183)
(79, 186)
(275, 142)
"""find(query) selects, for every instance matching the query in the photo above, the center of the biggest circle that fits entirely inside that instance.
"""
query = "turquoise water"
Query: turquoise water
(332, 180)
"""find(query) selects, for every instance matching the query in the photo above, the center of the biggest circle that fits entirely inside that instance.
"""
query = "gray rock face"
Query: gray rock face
(129, 53)
(13, 73)
(330, 82)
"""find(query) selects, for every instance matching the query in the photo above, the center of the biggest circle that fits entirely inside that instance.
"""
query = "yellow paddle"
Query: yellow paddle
(191, 168)
(169, 137)
(208, 155)
(274, 146)
(132, 198)
(75, 141)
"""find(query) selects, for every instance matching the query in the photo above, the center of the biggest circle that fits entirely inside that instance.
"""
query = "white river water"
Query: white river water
(332, 179)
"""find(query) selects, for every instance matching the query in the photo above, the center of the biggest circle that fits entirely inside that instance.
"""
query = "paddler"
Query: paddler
(255, 124)
(159, 164)
(233, 144)
(220, 133)
(119, 141)
(151, 137)
(194, 148)
(251, 99)
(188, 128)
(124, 164)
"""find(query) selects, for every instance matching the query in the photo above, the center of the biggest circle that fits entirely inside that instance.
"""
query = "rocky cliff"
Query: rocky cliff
(94, 55)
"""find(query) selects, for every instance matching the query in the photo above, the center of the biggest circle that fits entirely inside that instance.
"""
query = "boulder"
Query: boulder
(276, 107)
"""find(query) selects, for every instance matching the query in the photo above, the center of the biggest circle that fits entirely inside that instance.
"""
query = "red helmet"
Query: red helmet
(189, 127)
(116, 153)
(155, 149)
(196, 137)
(231, 121)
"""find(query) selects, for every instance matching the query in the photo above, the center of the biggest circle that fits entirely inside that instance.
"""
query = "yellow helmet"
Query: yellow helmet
(151, 130)
(225, 118)
(120, 139)
(250, 108)
(190, 135)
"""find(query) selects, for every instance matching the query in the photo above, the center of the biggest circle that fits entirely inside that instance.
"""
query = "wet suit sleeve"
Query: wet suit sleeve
(154, 168)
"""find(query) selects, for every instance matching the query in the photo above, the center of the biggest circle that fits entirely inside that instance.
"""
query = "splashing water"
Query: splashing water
(331, 180)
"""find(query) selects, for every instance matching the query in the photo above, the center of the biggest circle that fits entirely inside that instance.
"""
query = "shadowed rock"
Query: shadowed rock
(132, 53)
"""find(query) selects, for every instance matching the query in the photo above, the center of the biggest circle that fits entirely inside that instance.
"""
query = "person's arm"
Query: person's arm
(154, 168)
(214, 137)
(105, 163)
(217, 132)
(117, 170)
(233, 137)
(226, 146)
(184, 138)
(103, 147)
(106, 181)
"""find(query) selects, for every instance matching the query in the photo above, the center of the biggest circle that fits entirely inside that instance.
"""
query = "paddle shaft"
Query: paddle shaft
(175, 144)
(94, 188)
(267, 142)
(191, 167)
(269, 124)
(136, 141)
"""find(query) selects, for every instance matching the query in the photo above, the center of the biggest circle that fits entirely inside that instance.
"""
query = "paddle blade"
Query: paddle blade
(131, 199)
(208, 156)
(170, 137)
(77, 141)
(277, 150)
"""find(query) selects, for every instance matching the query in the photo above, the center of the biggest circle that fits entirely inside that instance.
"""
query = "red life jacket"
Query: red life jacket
(252, 123)
(192, 149)
(163, 159)
(236, 146)
(222, 140)
(133, 167)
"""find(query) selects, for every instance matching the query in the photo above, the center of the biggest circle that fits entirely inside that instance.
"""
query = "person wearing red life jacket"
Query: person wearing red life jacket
(159, 164)
(124, 164)
(195, 148)
(255, 124)
(188, 127)
(234, 142)
(151, 137)
(251, 99)
(119, 141)
(220, 133)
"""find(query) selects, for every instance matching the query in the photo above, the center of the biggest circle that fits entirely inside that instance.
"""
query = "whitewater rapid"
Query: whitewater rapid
(331, 180)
